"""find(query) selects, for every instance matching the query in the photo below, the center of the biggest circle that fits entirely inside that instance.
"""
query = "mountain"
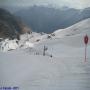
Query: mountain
(78, 28)
(49, 19)
(26, 68)
(11, 26)
(72, 36)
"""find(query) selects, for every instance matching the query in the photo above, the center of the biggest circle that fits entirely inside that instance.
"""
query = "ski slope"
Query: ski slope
(27, 68)
(82, 27)
(30, 72)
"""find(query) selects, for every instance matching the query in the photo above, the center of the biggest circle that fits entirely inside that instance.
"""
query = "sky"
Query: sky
(79, 4)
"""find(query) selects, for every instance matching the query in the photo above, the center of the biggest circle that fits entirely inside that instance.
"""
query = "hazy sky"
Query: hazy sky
(58, 3)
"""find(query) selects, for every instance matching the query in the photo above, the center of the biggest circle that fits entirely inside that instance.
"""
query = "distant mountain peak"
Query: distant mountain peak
(48, 19)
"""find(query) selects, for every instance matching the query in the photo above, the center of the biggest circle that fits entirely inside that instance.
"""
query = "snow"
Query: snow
(28, 44)
(27, 68)
(78, 28)
(36, 72)
(8, 45)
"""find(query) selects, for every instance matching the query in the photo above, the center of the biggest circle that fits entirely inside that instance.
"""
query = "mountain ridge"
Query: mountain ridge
(73, 34)
(80, 27)
(48, 19)
(10, 26)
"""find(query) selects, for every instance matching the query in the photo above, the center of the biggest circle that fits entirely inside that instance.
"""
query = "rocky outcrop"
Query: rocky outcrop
(10, 26)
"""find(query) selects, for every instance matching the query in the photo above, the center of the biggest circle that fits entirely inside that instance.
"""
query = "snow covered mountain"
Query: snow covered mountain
(82, 27)
(74, 33)
(28, 69)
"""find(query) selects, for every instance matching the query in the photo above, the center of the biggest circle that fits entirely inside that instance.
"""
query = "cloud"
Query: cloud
(85, 3)
(57, 3)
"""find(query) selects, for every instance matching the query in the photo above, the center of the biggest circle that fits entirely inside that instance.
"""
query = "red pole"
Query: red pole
(85, 52)
(86, 42)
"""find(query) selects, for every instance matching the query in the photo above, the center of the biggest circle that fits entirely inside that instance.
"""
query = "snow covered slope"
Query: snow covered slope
(30, 72)
(28, 69)
(72, 36)
(81, 27)
(26, 40)
(7, 45)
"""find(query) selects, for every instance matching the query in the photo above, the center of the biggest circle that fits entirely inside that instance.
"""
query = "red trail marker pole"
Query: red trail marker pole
(86, 42)
(85, 53)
